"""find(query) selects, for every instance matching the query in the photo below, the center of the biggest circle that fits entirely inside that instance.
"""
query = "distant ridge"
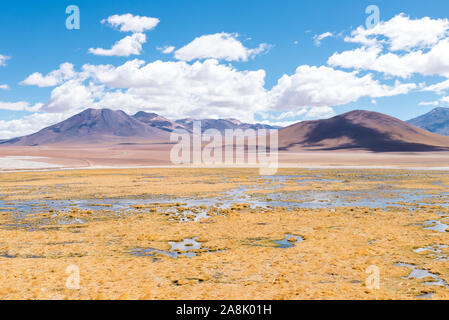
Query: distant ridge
(436, 121)
(115, 126)
(222, 124)
(157, 121)
(92, 126)
(359, 129)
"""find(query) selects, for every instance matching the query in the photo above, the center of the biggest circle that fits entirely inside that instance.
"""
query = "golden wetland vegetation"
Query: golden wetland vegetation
(224, 234)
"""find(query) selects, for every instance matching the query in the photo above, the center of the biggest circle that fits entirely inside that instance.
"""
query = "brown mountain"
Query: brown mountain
(222, 124)
(157, 121)
(92, 126)
(360, 129)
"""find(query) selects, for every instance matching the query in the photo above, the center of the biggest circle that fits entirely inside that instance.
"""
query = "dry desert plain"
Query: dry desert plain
(309, 232)
(150, 154)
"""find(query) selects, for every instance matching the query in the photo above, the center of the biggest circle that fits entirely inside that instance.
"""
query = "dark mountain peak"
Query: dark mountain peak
(97, 112)
(439, 109)
(356, 112)
(360, 129)
(365, 114)
(157, 121)
(436, 120)
(92, 126)
(143, 114)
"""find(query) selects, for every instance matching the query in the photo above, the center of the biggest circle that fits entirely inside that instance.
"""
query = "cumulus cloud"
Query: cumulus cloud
(65, 72)
(416, 46)
(360, 58)
(306, 113)
(180, 89)
(443, 100)
(19, 106)
(28, 124)
(221, 46)
(72, 96)
(438, 88)
(4, 87)
(130, 45)
(3, 60)
(322, 86)
(198, 85)
(129, 23)
(318, 38)
(402, 33)
(432, 62)
(207, 88)
(320, 113)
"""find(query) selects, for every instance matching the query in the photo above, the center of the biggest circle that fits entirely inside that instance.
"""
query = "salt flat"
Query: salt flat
(25, 162)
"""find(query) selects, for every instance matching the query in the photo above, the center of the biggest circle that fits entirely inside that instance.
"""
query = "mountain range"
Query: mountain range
(436, 121)
(115, 126)
(355, 130)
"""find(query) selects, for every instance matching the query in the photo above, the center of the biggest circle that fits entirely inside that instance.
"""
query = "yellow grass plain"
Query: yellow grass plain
(238, 258)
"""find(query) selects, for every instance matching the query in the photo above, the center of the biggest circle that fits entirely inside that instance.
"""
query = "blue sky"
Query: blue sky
(35, 38)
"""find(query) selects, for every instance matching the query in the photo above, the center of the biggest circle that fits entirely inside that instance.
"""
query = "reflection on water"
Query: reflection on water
(289, 241)
(189, 248)
(417, 273)
(436, 225)
(194, 209)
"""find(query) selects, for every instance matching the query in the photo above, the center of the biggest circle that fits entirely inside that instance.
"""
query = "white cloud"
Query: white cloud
(28, 124)
(402, 33)
(320, 113)
(432, 62)
(438, 88)
(65, 72)
(322, 86)
(130, 45)
(166, 49)
(431, 103)
(197, 85)
(278, 123)
(417, 46)
(174, 89)
(443, 100)
(221, 46)
(19, 106)
(129, 23)
(360, 58)
(72, 96)
(207, 88)
(318, 38)
(287, 118)
(3, 60)
(4, 87)
(291, 114)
